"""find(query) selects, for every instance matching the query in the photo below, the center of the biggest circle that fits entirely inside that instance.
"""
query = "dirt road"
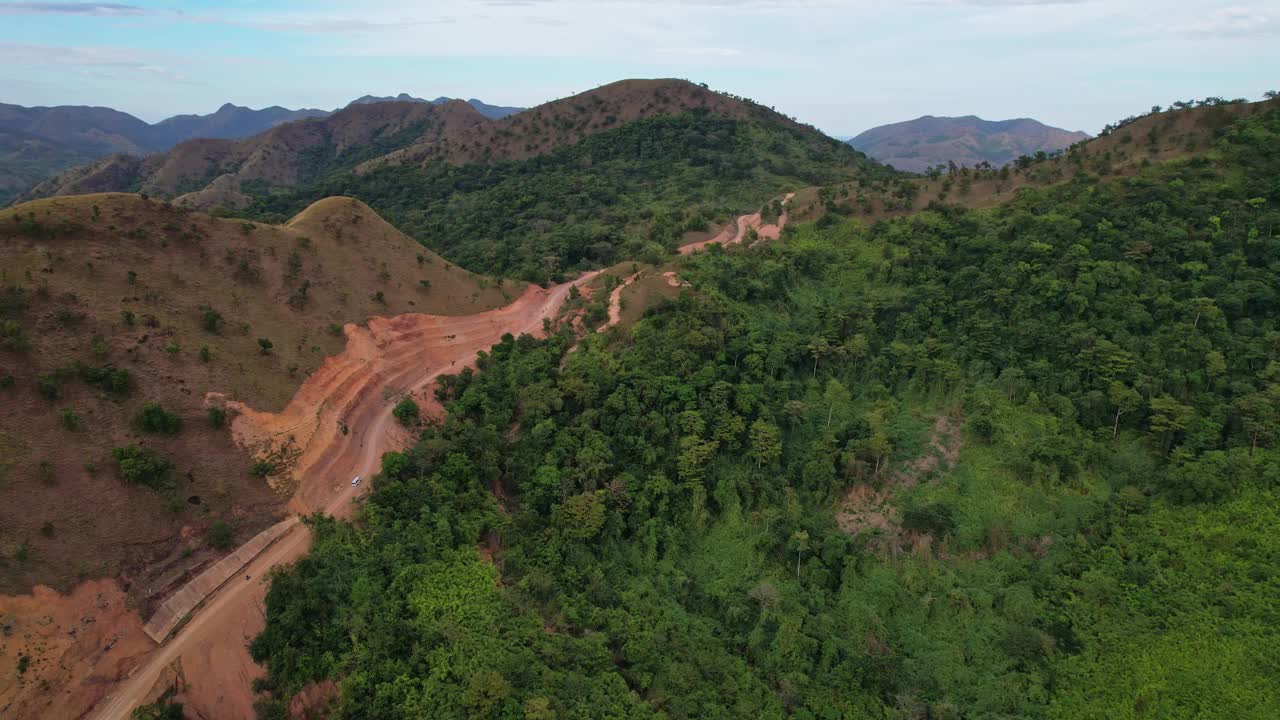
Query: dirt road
(402, 354)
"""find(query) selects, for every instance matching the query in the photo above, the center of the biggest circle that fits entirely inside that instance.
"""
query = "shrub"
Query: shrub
(154, 419)
(7, 381)
(206, 354)
(407, 412)
(127, 316)
(217, 417)
(264, 346)
(936, 519)
(220, 536)
(70, 419)
(44, 471)
(47, 529)
(49, 386)
(132, 277)
(143, 466)
(173, 348)
(211, 320)
(114, 380)
(335, 329)
(12, 337)
(262, 468)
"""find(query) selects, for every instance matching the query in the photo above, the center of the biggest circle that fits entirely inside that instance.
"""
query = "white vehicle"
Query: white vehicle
(355, 480)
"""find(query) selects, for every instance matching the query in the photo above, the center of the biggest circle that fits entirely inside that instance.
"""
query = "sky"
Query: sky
(844, 66)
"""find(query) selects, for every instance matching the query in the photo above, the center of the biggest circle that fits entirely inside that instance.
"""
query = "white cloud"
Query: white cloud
(68, 8)
(88, 57)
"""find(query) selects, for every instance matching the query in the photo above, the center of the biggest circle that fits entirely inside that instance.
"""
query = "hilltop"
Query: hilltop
(917, 145)
(493, 112)
(112, 302)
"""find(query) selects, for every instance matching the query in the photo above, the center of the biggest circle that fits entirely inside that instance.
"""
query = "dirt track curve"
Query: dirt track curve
(357, 389)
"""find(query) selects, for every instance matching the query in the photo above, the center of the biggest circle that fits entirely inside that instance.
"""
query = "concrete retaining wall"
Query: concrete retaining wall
(181, 603)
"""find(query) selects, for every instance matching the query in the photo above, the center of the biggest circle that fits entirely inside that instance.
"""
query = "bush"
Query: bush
(206, 355)
(211, 320)
(12, 337)
(220, 536)
(407, 412)
(264, 346)
(262, 468)
(113, 380)
(154, 419)
(217, 417)
(7, 381)
(936, 519)
(71, 419)
(49, 386)
(143, 466)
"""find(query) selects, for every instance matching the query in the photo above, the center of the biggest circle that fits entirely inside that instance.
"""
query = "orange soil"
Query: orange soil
(79, 644)
(392, 356)
(736, 232)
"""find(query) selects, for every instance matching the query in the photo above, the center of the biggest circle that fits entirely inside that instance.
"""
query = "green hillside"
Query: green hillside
(622, 194)
(1092, 369)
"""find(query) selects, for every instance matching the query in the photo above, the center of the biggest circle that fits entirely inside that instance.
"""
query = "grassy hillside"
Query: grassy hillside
(1017, 462)
(111, 303)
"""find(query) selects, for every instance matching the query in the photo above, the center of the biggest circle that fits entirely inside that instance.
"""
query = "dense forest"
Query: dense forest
(1058, 419)
(629, 193)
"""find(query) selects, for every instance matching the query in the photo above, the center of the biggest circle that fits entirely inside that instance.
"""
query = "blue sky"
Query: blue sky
(844, 66)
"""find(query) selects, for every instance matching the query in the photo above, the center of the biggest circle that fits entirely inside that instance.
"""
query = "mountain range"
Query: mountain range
(36, 143)
(916, 145)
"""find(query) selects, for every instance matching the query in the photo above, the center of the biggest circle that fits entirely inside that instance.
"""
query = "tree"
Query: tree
(154, 419)
(835, 394)
(799, 543)
(220, 535)
(264, 346)
(766, 442)
(143, 466)
(1260, 416)
(407, 412)
(1124, 399)
(1168, 417)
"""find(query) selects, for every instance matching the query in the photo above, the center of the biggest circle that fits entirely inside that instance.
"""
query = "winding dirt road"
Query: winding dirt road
(402, 354)
(357, 389)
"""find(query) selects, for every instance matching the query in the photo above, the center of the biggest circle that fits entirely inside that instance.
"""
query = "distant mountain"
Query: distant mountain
(37, 143)
(230, 121)
(493, 112)
(916, 145)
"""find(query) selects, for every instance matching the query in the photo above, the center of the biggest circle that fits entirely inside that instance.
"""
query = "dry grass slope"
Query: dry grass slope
(115, 280)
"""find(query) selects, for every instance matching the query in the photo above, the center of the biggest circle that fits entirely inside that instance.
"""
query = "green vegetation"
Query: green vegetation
(221, 536)
(71, 420)
(1104, 546)
(627, 193)
(143, 466)
(217, 417)
(262, 468)
(407, 412)
(152, 418)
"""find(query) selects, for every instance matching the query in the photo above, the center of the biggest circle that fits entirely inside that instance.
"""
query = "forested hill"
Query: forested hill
(628, 193)
(1007, 463)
